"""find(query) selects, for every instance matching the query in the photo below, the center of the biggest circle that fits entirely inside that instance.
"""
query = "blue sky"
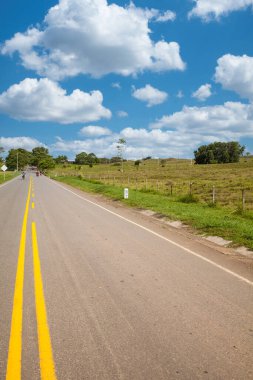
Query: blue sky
(167, 76)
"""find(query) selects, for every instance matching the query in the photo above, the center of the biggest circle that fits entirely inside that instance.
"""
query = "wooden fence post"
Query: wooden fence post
(214, 195)
(243, 199)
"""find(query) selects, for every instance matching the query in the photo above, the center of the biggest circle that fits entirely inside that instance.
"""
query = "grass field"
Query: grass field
(206, 197)
(7, 176)
(222, 184)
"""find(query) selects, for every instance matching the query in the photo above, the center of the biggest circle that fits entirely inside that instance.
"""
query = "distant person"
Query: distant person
(23, 175)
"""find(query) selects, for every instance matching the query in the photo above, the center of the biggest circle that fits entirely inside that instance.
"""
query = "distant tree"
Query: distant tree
(18, 159)
(137, 163)
(121, 145)
(38, 154)
(86, 159)
(92, 159)
(81, 158)
(1, 151)
(46, 163)
(61, 159)
(219, 152)
(103, 160)
(115, 159)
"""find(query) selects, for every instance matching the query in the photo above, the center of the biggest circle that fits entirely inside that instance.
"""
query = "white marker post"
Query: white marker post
(126, 193)
(4, 168)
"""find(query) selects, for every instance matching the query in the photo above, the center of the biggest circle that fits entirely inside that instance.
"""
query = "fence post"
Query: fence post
(213, 194)
(243, 199)
(191, 183)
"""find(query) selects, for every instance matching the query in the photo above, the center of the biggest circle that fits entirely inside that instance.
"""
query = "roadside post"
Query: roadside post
(126, 193)
(4, 168)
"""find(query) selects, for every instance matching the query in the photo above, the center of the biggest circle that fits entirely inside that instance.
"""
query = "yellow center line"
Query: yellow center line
(33, 205)
(47, 367)
(13, 371)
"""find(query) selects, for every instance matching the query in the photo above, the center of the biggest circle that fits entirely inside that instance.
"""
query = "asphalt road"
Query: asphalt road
(92, 290)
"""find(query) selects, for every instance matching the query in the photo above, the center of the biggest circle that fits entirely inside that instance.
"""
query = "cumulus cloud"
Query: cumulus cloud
(174, 135)
(94, 131)
(232, 120)
(122, 114)
(45, 100)
(236, 73)
(116, 85)
(203, 93)
(82, 36)
(180, 94)
(27, 143)
(166, 16)
(152, 96)
(140, 143)
(213, 9)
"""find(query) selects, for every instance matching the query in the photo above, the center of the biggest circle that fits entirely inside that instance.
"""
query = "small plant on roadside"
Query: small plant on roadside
(188, 198)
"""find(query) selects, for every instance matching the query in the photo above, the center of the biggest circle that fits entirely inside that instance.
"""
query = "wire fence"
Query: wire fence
(226, 194)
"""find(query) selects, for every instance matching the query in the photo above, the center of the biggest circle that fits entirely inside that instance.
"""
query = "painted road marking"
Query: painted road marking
(33, 205)
(15, 342)
(241, 278)
(47, 367)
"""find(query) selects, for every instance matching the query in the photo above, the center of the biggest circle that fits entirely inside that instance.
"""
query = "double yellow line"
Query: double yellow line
(14, 362)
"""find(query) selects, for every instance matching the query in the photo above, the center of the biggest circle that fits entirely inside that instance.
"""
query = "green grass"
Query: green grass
(175, 176)
(8, 176)
(236, 226)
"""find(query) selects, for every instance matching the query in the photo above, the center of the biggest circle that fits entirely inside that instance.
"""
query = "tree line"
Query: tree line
(219, 153)
(18, 159)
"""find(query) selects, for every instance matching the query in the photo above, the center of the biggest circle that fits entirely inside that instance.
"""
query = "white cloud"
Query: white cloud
(180, 94)
(45, 100)
(96, 38)
(213, 9)
(166, 16)
(94, 131)
(27, 143)
(232, 120)
(236, 73)
(173, 135)
(122, 114)
(116, 85)
(152, 96)
(203, 93)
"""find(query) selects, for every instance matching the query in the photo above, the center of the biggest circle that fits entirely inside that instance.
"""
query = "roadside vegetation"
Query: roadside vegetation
(177, 189)
(8, 176)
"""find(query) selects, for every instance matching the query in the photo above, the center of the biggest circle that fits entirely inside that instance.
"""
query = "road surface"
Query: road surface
(92, 290)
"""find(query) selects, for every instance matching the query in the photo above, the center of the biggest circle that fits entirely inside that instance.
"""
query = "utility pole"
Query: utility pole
(17, 161)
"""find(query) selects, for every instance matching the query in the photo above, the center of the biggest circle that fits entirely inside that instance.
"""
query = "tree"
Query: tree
(18, 159)
(121, 148)
(81, 158)
(137, 163)
(46, 163)
(61, 159)
(219, 152)
(86, 159)
(38, 154)
(1, 151)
